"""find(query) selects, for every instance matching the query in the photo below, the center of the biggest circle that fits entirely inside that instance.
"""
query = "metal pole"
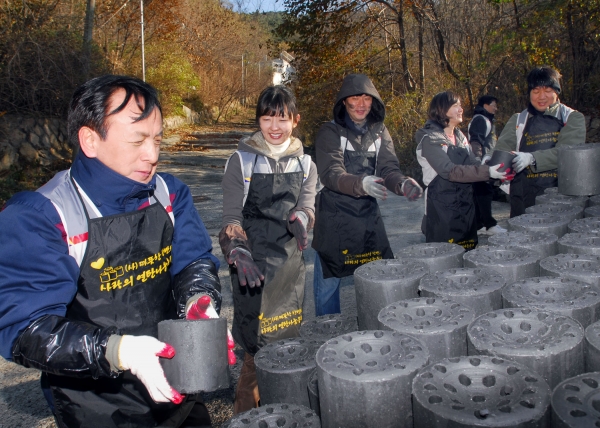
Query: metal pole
(143, 54)
(243, 84)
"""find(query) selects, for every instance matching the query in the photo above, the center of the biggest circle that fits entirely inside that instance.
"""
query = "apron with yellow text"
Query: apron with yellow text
(273, 311)
(349, 231)
(124, 281)
(540, 133)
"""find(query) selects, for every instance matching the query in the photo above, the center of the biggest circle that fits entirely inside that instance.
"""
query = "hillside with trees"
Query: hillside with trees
(214, 56)
(199, 53)
(413, 49)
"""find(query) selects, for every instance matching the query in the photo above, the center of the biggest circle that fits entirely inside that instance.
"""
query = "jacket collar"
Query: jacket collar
(256, 144)
(482, 111)
(432, 126)
(109, 190)
(550, 111)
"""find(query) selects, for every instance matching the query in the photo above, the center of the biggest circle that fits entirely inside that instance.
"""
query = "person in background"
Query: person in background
(449, 167)
(269, 191)
(535, 135)
(482, 137)
(92, 261)
(357, 165)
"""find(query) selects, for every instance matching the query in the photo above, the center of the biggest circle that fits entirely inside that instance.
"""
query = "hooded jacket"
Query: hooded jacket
(571, 134)
(481, 141)
(232, 235)
(330, 156)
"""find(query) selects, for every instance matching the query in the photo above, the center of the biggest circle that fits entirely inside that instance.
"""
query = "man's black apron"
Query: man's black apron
(450, 207)
(124, 281)
(540, 133)
(273, 311)
(349, 231)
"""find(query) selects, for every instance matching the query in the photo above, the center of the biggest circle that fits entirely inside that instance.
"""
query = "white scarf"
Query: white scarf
(278, 150)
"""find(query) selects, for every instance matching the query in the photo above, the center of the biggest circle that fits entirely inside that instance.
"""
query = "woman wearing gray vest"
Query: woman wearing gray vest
(535, 135)
(268, 209)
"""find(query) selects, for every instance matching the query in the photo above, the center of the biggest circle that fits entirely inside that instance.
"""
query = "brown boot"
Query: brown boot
(246, 393)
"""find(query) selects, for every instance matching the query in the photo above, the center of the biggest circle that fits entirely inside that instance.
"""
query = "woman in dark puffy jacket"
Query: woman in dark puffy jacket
(449, 168)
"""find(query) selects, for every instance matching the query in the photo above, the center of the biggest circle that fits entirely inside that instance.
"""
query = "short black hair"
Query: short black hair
(439, 106)
(486, 99)
(90, 102)
(276, 101)
(543, 76)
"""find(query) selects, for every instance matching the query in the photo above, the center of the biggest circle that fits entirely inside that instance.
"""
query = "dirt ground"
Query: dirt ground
(21, 401)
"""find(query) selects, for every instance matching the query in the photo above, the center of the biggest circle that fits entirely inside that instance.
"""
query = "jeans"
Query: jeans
(326, 291)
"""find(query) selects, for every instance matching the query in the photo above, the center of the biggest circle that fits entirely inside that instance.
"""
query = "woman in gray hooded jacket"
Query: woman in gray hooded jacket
(449, 167)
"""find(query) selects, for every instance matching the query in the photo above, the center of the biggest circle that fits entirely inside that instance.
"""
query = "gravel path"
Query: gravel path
(21, 401)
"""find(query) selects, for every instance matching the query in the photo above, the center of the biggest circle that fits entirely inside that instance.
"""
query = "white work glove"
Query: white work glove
(202, 308)
(373, 187)
(522, 161)
(140, 355)
(485, 159)
(411, 189)
(495, 174)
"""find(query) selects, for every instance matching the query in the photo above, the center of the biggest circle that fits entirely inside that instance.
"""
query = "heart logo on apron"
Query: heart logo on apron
(98, 263)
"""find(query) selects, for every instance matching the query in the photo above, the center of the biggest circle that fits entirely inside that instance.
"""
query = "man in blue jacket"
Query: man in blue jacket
(94, 259)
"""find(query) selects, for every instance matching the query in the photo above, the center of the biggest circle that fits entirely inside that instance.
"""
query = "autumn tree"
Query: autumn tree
(228, 51)
(40, 55)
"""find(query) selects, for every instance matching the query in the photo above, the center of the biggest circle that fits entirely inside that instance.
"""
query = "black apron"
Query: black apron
(450, 212)
(273, 311)
(124, 281)
(349, 231)
(540, 133)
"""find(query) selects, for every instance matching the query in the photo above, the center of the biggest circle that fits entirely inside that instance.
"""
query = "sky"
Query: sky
(263, 5)
(273, 5)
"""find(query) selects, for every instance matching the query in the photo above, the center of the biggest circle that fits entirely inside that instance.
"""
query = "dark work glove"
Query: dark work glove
(247, 270)
(297, 222)
(411, 189)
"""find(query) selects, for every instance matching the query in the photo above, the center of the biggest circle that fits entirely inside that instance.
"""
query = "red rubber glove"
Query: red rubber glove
(203, 309)
(140, 354)
(297, 222)
(247, 270)
(510, 174)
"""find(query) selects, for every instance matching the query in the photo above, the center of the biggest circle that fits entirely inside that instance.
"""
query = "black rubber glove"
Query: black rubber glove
(297, 222)
(411, 189)
(247, 270)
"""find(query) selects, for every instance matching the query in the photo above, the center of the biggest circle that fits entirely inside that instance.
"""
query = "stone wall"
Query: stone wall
(31, 139)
